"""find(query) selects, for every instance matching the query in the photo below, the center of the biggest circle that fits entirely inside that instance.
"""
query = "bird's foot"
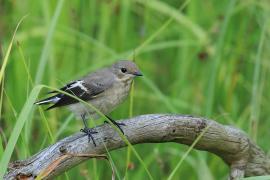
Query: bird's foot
(117, 124)
(89, 133)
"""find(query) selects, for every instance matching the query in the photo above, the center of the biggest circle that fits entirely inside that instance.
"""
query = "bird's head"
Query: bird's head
(125, 69)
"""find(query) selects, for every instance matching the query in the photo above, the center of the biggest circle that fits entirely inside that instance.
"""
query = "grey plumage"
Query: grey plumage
(105, 89)
(108, 92)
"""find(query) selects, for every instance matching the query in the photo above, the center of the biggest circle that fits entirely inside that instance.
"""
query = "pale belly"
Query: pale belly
(105, 102)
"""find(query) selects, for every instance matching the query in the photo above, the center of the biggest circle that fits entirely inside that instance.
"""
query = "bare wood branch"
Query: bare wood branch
(231, 144)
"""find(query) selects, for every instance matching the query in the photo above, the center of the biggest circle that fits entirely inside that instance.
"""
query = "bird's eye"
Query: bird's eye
(123, 70)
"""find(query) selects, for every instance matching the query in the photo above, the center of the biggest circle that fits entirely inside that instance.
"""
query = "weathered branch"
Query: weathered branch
(232, 145)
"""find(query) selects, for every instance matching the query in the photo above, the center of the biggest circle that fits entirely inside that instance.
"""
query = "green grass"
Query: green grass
(217, 58)
(258, 178)
(207, 58)
(47, 45)
(23, 117)
(186, 154)
(256, 95)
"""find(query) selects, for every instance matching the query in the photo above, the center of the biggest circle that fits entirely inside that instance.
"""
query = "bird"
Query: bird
(104, 89)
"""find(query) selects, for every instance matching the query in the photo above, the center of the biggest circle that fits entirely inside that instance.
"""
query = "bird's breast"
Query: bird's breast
(112, 97)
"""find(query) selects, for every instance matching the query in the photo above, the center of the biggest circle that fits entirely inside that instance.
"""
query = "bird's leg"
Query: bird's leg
(87, 130)
(116, 123)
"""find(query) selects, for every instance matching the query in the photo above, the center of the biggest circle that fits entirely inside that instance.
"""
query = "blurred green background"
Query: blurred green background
(206, 58)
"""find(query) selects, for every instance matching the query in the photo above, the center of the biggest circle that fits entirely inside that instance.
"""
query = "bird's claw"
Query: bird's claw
(117, 124)
(89, 133)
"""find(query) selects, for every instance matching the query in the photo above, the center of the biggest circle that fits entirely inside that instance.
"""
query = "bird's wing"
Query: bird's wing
(86, 89)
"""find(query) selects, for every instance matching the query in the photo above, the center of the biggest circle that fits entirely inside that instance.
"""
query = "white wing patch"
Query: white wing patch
(55, 100)
(78, 84)
(51, 100)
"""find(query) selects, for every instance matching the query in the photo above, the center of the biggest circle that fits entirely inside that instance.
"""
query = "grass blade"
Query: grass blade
(257, 178)
(1, 147)
(160, 30)
(187, 152)
(174, 14)
(2, 71)
(217, 59)
(46, 48)
(254, 117)
(23, 117)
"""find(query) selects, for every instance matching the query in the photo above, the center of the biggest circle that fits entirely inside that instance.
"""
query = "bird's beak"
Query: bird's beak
(137, 73)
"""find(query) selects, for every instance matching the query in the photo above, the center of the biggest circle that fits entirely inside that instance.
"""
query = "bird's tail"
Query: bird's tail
(50, 100)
